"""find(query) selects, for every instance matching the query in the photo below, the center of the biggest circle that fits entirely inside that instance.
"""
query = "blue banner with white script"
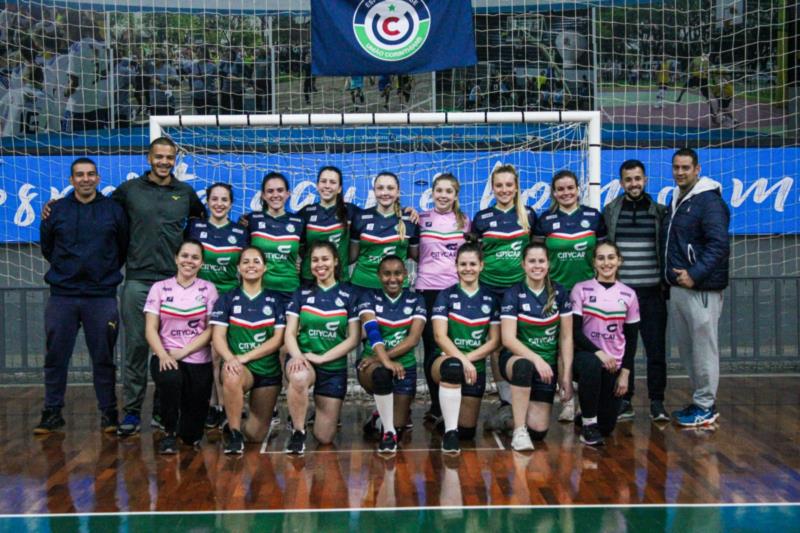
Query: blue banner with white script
(357, 37)
(761, 190)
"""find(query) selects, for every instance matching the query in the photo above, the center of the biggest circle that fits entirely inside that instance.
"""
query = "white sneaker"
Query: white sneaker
(567, 411)
(522, 440)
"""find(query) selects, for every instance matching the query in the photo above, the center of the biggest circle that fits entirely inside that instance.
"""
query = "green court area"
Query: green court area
(584, 519)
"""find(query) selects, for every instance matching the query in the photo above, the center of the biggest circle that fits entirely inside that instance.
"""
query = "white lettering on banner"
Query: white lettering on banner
(107, 190)
(3, 197)
(761, 193)
(25, 214)
(426, 200)
(300, 196)
(55, 194)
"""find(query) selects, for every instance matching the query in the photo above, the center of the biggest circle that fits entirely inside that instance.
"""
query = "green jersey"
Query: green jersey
(502, 239)
(279, 239)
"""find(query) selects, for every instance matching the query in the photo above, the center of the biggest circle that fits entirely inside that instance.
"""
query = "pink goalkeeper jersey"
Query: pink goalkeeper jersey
(439, 239)
(183, 314)
(604, 311)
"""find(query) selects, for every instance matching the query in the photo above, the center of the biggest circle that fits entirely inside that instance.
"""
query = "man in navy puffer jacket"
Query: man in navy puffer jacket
(697, 248)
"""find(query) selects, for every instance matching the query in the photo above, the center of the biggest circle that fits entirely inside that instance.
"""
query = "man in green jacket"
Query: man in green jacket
(158, 206)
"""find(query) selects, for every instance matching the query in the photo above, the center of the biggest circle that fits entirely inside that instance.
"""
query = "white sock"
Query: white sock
(450, 400)
(385, 405)
(504, 390)
(589, 421)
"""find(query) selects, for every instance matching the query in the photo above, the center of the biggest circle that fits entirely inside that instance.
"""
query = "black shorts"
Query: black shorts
(331, 384)
(403, 387)
(477, 389)
(266, 381)
(540, 391)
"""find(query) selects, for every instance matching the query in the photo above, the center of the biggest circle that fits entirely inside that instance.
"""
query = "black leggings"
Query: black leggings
(596, 391)
(429, 346)
(184, 395)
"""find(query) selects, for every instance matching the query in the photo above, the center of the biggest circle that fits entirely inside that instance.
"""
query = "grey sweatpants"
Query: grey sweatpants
(134, 294)
(694, 326)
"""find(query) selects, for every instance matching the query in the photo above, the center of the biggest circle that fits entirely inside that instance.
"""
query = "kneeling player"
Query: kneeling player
(248, 333)
(466, 330)
(388, 369)
(537, 333)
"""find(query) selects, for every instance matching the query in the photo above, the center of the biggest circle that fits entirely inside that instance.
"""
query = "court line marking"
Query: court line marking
(264, 451)
(497, 440)
(415, 509)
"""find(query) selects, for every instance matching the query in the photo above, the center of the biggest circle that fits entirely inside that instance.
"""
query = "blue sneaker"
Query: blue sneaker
(686, 411)
(698, 417)
(131, 425)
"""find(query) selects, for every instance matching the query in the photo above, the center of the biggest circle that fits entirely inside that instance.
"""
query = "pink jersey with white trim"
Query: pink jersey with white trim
(439, 239)
(604, 312)
(183, 314)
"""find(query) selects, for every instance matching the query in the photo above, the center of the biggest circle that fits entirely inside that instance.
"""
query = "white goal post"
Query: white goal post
(592, 119)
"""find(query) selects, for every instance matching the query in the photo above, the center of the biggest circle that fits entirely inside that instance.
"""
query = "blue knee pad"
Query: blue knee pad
(466, 433)
(452, 371)
(537, 435)
(382, 381)
(522, 373)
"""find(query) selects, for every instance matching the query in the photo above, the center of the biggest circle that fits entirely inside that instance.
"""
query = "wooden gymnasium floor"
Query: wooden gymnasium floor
(742, 475)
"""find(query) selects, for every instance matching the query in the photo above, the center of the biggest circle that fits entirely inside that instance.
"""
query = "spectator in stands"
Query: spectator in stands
(262, 81)
(204, 76)
(164, 78)
(85, 240)
(308, 79)
(232, 88)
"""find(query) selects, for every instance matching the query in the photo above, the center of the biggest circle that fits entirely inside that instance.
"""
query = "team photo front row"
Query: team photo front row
(223, 313)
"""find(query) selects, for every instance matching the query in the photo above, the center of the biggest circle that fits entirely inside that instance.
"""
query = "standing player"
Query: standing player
(327, 220)
(23, 110)
(536, 318)
(176, 327)
(222, 242)
(277, 234)
(84, 239)
(606, 315)
(504, 230)
(322, 326)
(381, 231)
(248, 333)
(700, 76)
(388, 367)
(87, 104)
(441, 234)
(385, 89)
(570, 232)
(355, 84)
(466, 327)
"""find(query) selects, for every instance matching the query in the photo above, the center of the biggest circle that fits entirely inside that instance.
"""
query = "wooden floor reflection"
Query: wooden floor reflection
(752, 455)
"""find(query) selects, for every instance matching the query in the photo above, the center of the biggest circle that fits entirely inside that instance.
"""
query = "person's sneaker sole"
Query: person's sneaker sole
(48, 431)
(696, 423)
(661, 417)
(593, 444)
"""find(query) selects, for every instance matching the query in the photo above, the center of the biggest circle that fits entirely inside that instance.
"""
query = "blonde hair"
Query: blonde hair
(401, 226)
(519, 204)
(461, 218)
(557, 176)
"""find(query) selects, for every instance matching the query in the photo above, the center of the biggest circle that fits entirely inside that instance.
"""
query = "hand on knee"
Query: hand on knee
(300, 380)
(522, 373)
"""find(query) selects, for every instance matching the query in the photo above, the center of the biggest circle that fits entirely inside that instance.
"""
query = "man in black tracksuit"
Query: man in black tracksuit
(85, 240)
(158, 206)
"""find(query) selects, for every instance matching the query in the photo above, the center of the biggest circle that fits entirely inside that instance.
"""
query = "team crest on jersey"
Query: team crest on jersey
(313, 218)
(379, 309)
(493, 224)
(310, 300)
(231, 239)
(290, 227)
(370, 226)
(261, 225)
(407, 310)
(267, 310)
(457, 306)
(526, 307)
(485, 308)
(237, 309)
(203, 234)
(585, 223)
(339, 302)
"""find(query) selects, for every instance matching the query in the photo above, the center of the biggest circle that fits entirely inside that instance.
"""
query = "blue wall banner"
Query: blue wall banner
(757, 183)
(358, 37)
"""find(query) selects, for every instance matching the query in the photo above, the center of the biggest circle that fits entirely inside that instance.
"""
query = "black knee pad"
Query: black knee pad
(466, 433)
(382, 381)
(522, 373)
(452, 371)
(537, 435)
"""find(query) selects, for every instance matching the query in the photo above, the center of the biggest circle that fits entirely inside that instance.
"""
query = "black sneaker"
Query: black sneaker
(214, 416)
(450, 442)
(388, 444)
(235, 445)
(625, 410)
(657, 411)
(275, 421)
(130, 425)
(168, 445)
(109, 421)
(296, 444)
(370, 427)
(51, 421)
(590, 435)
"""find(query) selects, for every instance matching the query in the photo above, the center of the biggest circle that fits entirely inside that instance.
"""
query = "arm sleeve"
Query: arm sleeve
(46, 238)
(582, 342)
(221, 313)
(153, 302)
(630, 331)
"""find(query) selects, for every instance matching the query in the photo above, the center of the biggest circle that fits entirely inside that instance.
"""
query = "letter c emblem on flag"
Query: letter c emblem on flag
(391, 30)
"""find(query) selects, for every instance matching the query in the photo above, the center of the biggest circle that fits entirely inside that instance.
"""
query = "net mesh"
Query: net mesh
(717, 75)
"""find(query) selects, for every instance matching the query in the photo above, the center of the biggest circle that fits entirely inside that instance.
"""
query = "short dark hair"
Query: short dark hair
(687, 152)
(162, 141)
(631, 164)
(81, 161)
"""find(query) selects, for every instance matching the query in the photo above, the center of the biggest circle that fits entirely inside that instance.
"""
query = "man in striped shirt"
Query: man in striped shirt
(633, 221)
